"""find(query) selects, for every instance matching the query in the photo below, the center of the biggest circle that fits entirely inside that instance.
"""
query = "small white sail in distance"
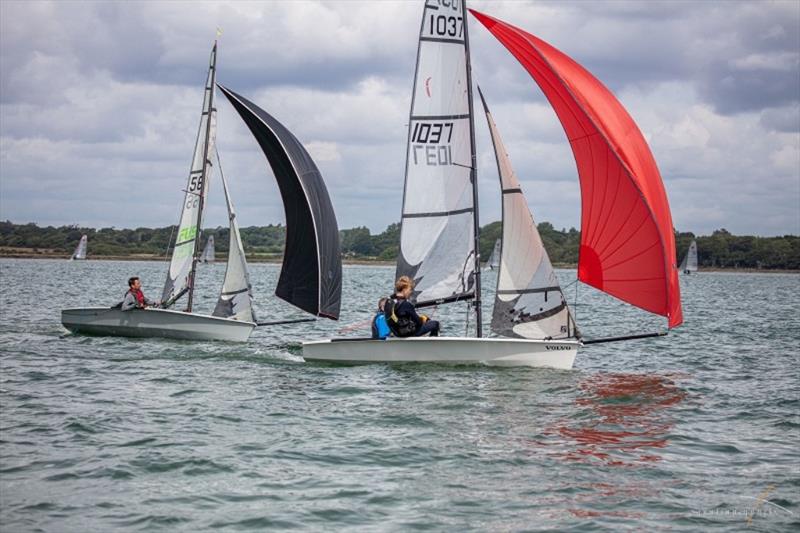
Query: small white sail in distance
(80, 250)
(208, 251)
(689, 263)
(494, 258)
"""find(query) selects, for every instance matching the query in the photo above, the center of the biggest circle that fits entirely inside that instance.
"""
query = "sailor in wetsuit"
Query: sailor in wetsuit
(403, 318)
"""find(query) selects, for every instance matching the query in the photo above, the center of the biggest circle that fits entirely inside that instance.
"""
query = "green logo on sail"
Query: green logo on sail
(187, 233)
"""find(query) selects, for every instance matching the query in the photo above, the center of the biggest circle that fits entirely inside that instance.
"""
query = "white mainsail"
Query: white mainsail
(689, 263)
(437, 237)
(208, 251)
(184, 254)
(236, 296)
(80, 250)
(529, 302)
(494, 259)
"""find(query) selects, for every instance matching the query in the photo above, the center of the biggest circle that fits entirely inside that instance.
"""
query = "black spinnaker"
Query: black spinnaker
(311, 275)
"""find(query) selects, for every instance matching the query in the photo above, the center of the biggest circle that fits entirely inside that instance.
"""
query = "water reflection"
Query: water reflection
(624, 419)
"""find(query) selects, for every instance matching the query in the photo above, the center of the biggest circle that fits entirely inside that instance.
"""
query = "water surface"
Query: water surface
(694, 431)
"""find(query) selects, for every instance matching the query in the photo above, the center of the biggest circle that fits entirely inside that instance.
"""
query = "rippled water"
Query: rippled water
(698, 430)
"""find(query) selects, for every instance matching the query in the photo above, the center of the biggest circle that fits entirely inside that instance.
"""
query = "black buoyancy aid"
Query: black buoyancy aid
(401, 326)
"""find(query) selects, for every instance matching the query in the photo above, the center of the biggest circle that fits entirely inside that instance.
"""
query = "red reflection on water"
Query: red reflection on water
(629, 419)
(585, 513)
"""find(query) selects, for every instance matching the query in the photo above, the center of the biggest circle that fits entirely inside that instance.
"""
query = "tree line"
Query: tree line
(721, 249)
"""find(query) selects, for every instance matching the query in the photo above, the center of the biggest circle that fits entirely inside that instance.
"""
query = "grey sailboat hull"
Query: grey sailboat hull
(154, 323)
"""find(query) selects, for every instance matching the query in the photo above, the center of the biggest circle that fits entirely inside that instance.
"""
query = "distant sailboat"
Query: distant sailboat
(312, 249)
(80, 250)
(494, 258)
(208, 252)
(689, 263)
(627, 246)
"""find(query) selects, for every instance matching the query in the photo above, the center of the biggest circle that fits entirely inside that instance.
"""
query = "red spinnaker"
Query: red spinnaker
(627, 241)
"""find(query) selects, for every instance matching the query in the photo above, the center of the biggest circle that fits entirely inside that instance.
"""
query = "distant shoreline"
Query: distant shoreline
(6, 254)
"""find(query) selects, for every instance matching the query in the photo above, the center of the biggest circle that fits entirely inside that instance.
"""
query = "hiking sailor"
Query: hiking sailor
(401, 316)
(135, 298)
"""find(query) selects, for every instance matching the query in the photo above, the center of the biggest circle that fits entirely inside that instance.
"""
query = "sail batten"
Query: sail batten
(611, 153)
(311, 274)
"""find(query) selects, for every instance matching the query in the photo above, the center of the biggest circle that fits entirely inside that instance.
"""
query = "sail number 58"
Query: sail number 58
(195, 183)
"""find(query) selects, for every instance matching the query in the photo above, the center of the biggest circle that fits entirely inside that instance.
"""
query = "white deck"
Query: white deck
(154, 323)
(448, 350)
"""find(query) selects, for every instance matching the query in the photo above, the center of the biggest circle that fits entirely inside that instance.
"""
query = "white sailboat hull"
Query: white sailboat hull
(154, 323)
(446, 350)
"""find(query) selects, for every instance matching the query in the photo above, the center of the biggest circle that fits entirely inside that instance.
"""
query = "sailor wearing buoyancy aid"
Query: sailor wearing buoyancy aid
(135, 298)
(380, 327)
(401, 316)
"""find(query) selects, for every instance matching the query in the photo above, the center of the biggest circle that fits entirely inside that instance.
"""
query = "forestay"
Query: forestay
(311, 275)
(437, 243)
(529, 302)
(236, 297)
(627, 242)
(183, 254)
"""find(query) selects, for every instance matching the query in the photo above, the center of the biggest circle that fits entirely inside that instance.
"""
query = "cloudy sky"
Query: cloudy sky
(100, 102)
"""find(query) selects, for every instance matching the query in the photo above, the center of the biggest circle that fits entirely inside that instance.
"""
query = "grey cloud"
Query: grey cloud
(158, 43)
(755, 60)
(785, 119)
(740, 56)
(99, 105)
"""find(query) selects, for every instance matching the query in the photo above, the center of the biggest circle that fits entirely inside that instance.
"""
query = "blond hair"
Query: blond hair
(402, 283)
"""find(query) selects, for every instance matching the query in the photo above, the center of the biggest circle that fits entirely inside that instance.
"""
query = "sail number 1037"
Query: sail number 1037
(430, 143)
(446, 25)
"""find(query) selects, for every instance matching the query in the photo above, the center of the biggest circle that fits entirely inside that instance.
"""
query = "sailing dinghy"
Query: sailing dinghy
(627, 245)
(689, 263)
(311, 274)
(80, 250)
(494, 258)
(208, 252)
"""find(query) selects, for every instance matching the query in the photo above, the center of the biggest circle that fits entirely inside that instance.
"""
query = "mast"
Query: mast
(474, 179)
(203, 176)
